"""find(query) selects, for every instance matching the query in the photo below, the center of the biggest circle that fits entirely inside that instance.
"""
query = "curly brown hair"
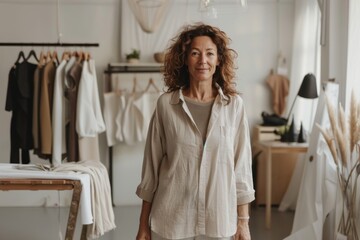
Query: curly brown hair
(176, 74)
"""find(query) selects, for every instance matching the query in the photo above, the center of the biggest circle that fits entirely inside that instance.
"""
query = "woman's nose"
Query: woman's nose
(203, 58)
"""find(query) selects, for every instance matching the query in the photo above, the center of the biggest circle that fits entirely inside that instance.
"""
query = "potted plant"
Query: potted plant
(133, 57)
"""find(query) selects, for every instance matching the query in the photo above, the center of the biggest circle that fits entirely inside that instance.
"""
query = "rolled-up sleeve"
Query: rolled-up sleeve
(153, 155)
(243, 160)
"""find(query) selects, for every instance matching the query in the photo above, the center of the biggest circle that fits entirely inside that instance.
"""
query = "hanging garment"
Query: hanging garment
(146, 105)
(131, 120)
(45, 109)
(58, 116)
(36, 102)
(114, 106)
(72, 80)
(121, 99)
(89, 119)
(89, 149)
(19, 100)
(280, 89)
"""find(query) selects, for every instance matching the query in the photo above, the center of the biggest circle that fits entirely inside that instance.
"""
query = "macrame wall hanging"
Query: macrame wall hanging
(149, 13)
(210, 7)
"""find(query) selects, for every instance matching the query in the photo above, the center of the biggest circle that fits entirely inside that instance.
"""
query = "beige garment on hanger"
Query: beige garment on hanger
(279, 85)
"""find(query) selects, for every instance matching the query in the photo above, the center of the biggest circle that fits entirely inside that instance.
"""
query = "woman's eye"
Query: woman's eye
(194, 53)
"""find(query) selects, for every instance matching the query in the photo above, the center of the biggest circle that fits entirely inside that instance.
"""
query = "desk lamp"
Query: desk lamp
(307, 90)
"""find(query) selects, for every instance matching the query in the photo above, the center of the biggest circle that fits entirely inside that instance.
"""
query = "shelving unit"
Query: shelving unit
(114, 68)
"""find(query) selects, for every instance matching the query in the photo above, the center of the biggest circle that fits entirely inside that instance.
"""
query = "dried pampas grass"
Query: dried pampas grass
(354, 122)
(343, 140)
(329, 139)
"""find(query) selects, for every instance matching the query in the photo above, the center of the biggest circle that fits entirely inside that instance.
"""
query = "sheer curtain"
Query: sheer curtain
(305, 59)
(353, 57)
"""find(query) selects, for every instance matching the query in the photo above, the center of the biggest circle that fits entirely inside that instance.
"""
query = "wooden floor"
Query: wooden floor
(42, 223)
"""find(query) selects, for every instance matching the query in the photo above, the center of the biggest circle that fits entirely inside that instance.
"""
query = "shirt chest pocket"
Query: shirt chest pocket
(227, 138)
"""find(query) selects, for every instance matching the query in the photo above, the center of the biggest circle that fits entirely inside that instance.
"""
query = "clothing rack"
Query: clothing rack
(47, 44)
(128, 68)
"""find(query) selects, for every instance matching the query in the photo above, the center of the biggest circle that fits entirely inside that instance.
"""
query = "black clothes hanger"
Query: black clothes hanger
(32, 53)
(21, 55)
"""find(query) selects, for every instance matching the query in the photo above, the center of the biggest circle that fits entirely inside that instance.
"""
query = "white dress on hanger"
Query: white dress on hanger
(146, 104)
(89, 119)
(58, 115)
(114, 106)
(131, 121)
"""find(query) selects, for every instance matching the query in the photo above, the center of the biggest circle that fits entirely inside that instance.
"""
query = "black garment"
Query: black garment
(19, 100)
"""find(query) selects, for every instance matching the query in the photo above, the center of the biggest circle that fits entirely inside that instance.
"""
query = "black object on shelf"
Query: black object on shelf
(301, 138)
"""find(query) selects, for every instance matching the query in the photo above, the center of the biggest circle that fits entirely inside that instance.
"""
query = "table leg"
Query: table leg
(75, 201)
(268, 188)
(84, 232)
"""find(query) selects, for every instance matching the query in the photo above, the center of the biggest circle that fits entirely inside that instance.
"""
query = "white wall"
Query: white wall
(255, 32)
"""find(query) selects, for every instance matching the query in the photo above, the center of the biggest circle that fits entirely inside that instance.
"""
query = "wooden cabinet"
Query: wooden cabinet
(282, 167)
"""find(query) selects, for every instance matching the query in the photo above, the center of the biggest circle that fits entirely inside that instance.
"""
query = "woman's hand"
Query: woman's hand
(143, 233)
(243, 231)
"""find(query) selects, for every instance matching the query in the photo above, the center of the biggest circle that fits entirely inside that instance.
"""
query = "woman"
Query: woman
(196, 177)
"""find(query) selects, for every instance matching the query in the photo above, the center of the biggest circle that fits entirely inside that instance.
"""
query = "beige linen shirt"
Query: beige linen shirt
(195, 187)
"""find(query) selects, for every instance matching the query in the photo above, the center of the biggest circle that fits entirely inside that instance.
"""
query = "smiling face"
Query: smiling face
(202, 59)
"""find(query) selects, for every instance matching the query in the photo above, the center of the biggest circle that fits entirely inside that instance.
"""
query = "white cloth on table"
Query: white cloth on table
(12, 171)
(95, 202)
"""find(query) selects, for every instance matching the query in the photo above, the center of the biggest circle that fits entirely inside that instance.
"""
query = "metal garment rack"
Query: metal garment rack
(128, 68)
(46, 44)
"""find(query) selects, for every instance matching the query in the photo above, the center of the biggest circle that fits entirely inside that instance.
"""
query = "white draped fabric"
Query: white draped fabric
(317, 191)
(149, 13)
(353, 55)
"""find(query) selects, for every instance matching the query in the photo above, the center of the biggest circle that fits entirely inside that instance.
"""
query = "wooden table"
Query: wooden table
(51, 184)
(271, 147)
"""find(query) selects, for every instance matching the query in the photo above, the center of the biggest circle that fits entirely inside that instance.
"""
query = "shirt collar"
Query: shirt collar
(178, 96)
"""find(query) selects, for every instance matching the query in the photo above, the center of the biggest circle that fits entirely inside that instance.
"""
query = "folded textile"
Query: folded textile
(101, 204)
(102, 210)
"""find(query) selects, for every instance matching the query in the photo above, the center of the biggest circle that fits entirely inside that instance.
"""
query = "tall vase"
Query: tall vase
(348, 219)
